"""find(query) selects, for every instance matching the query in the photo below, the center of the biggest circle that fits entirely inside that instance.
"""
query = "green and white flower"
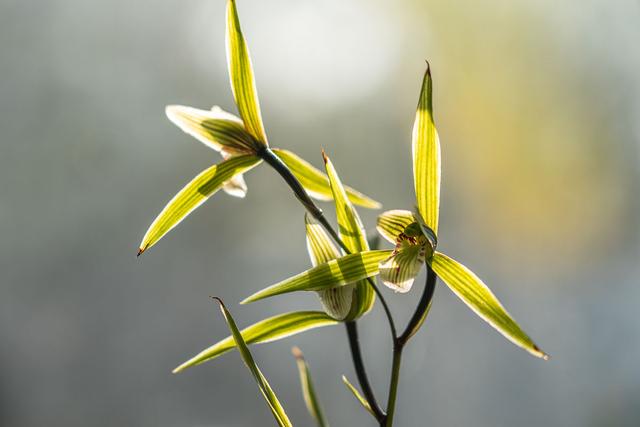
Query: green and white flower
(238, 140)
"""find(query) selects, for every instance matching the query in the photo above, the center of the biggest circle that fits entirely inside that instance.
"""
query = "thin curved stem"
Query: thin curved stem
(361, 373)
(422, 309)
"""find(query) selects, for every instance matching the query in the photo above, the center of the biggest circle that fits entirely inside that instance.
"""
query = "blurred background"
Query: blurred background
(538, 108)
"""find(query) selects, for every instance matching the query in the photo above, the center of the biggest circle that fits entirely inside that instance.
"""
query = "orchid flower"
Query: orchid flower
(241, 141)
(415, 239)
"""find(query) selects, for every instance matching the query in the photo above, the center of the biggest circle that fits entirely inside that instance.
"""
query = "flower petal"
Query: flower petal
(267, 392)
(243, 83)
(336, 302)
(236, 187)
(203, 186)
(337, 272)
(352, 234)
(479, 298)
(400, 270)
(316, 183)
(426, 157)
(267, 330)
(392, 223)
(308, 391)
(319, 245)
(215, 128)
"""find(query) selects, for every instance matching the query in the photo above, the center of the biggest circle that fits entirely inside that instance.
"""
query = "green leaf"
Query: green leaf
(337, 272)
(308, 391)
(358, 396)
(392, 223)
(267, 330)
(265, 388)
(243, 83)
(426, 157)
(215, 128)
(316, 183)
(354, 237)
(193, 195)
(473, 292)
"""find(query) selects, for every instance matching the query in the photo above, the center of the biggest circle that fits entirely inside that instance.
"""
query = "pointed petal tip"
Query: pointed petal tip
(541, 354)
(178, 369)
(297, 353)
(324, 156)
(140, 251)
(428, 67)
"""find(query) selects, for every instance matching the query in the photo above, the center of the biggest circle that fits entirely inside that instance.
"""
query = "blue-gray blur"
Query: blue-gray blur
(538, 107)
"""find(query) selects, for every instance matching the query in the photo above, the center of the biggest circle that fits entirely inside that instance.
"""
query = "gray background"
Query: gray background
(537, 105)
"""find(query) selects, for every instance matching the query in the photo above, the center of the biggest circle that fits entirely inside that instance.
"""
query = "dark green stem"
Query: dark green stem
(361, 372)
(393, 385)
(420, 314)
(414, 324)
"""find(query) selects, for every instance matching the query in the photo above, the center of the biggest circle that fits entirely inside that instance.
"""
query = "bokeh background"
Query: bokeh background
(538, 108)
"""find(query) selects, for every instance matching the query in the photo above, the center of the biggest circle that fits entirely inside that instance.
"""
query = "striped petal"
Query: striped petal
(215, 128)
(336, 302)
(401, 268)
(203, 186)
(352, 234)
(392, 223)
(337, 272)
(267, 330)
(426, 157)
(236, 186)
(316, 183)
(319, 245)
(243, 83)
(479, 298)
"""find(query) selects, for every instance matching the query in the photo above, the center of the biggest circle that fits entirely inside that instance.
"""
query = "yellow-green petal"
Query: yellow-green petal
(392, 223)
(426, 157)
(358, 396)
(353, 236)
(473, 292)
(316, 183)
(267, 330)
(400, 270)
(243, 83)
(215, 128)
(203, 186)
(337, 272)
(335, 301)
(308, 391)
(267, 392)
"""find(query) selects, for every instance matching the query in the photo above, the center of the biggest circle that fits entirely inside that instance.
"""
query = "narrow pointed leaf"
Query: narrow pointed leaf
(426, 157)
(358, 396)
(354, 237)
(267, 330)
(243, 83)
(274, 404)
(215, 128)
(337, 272)
(473, 292)
(392, 223)
(193, 195)
(308, 391)
(316, 183)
